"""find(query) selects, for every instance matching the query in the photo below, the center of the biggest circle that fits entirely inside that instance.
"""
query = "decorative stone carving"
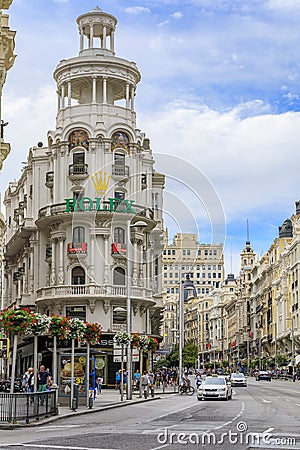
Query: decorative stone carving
(106, 306)
(142, 310)
(135, 310)
(92, 305)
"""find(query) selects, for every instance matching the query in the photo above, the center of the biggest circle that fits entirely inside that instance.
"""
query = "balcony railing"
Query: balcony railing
(78, 170)
(49, 179)
(77, 248)
(92, 290)
(118, 249)
(120, 170)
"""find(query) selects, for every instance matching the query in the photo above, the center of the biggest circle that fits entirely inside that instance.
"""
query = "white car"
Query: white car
(238, 379)
(215, 387)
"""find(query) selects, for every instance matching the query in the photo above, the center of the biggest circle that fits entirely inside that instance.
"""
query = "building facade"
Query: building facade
(202, 263)
(84, 221)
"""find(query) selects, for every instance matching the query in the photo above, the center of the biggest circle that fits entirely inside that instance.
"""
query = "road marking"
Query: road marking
(54, 427)
(266, 401)
(297, 404)
(57, 447)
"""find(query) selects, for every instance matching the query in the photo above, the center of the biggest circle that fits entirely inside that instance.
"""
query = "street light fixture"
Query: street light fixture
(186, 291)
(293, 343)
(139, 224)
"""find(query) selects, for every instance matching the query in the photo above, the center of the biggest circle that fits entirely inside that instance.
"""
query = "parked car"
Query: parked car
(238, 379)
(214, 387)
(263, 375)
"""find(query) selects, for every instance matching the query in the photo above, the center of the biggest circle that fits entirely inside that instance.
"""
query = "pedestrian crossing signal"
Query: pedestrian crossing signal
(4, 348)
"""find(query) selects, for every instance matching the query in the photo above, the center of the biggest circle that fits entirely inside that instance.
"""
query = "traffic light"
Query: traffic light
(4, 348)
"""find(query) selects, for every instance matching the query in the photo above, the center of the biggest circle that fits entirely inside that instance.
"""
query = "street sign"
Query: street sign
(4, 348)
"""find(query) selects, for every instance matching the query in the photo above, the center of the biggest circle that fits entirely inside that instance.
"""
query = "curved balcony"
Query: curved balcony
(92, 291)
(52, 213)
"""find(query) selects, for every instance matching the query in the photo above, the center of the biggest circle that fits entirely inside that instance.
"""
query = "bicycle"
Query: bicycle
(184, 389)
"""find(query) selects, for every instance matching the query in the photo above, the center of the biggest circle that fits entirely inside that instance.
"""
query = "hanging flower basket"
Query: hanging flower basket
(59, 327)
(122, 339)
(77, 329)
(135, 340)
(39, 325)
(16, 321)
(92, 333)
(153, 344)
(144, 342)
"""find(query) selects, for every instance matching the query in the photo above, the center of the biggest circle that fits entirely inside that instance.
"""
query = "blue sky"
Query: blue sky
(220, 90)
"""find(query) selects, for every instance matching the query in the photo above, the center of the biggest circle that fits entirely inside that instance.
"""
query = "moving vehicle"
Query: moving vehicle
(238, 379)
(263, 375)
(215, 387)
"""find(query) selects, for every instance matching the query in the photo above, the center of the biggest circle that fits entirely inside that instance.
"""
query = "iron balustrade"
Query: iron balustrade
(24, 407)
(78, 169)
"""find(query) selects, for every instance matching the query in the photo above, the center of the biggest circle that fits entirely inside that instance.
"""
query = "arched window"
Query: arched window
(79, 138)
(78, 234)
(119, 235)
(119, 276)
(78, 276)
(120, 140)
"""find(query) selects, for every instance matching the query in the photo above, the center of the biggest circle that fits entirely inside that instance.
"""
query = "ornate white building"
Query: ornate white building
(80, 197)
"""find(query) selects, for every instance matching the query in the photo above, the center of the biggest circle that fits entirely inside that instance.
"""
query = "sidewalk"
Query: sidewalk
(108, 399)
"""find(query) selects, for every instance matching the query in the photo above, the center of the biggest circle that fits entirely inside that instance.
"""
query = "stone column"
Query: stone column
(31, 276)
(81, 39)
(61, 275)
(92, 251)
(132, 98)
(104, 89)
(94, 92)
(62, 96)
(53, 269)
(91, 43)
(106, 265)
(112, 41)
(104, 37)
(69, 93)
(127, 95)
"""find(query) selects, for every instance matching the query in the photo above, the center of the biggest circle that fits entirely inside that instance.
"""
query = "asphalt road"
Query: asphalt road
(263, 415)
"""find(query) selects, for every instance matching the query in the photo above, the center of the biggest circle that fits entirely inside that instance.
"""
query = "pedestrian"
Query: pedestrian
(25, 380)
(151, 383)
(99, 384)
(145, 382)
(43, 379)
(30, 383)
(118, 379)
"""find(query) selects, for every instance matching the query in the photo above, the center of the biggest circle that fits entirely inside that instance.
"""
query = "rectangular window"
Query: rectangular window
(169, 252)
(173, 252)
(183, 252)
(188, 252)
(76, 312)
(199, 252)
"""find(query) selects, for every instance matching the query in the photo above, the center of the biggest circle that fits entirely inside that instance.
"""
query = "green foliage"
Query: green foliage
(189, 357)
(282, 360)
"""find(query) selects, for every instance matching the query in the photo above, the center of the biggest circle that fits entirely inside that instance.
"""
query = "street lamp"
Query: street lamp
(293, 342)
(139, 224)
(186, 291)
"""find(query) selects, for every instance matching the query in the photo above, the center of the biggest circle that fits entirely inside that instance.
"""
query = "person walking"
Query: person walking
(145, 383)
(151, 383)
(99, 384)
(43, 379)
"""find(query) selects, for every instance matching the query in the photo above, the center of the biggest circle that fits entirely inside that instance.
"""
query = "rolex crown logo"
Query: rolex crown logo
(100, 181)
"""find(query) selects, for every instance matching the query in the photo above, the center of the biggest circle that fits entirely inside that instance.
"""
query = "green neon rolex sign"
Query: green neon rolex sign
(110, 205)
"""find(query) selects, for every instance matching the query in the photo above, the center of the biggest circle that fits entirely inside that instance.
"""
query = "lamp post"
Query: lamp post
(293, 343)
(185, 289)
(140, 224)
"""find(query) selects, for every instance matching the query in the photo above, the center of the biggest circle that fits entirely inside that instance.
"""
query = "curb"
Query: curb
(74, 414)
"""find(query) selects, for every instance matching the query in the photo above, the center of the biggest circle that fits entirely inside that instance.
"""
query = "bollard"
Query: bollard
(75, 398)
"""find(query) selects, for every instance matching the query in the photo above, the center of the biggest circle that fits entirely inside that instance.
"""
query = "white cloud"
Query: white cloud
(283, 5)
(135, 10)
(248, 161)
(177, 15)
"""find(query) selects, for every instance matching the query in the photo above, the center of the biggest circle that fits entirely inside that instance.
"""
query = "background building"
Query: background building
(202, 263)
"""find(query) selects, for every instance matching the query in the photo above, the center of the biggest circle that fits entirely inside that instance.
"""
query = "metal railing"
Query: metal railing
(24, 407)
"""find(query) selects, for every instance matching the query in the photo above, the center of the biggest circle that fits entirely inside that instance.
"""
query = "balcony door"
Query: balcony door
(78, 276)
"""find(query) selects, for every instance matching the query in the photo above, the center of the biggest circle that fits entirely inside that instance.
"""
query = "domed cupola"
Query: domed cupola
(96, 86)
